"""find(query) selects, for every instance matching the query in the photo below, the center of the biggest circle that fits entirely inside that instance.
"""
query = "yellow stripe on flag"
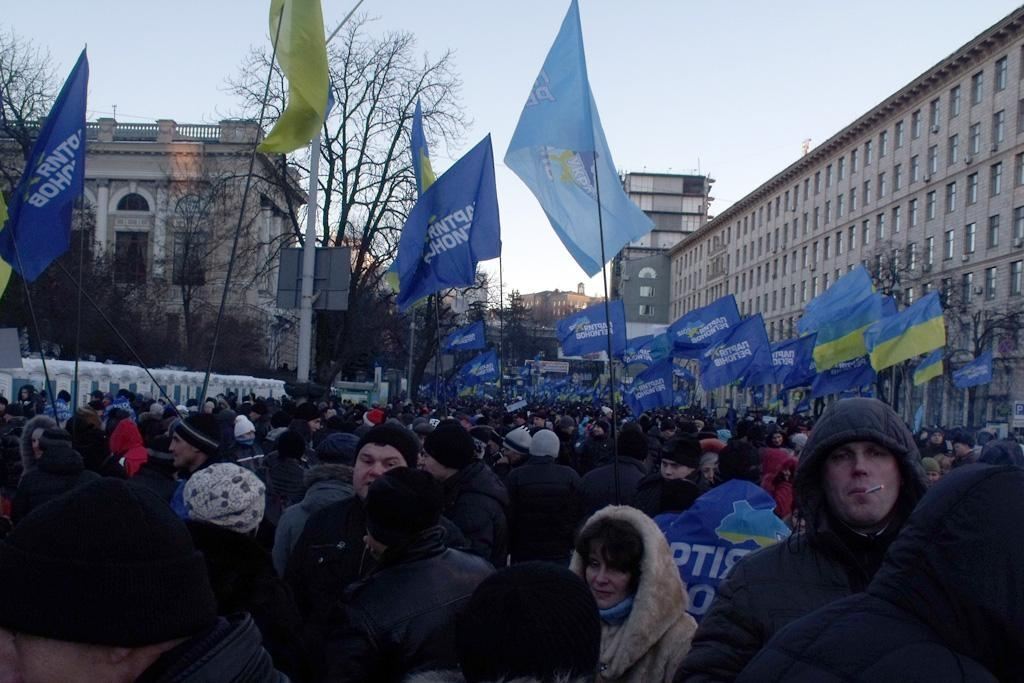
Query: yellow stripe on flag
(928, 373)
(847, 347)
(922, 338)
(302, 54)
(5, 267)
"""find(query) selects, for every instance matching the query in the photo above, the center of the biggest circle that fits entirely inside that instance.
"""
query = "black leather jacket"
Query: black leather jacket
(545, 507)
(401, 618)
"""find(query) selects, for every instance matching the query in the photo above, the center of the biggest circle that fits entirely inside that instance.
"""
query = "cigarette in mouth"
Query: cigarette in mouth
(875, 489)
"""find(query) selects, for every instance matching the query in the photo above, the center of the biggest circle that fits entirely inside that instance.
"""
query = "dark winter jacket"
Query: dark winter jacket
(228, 652)
(599, 484)
(401, 618)
(59, 470)
(244, 580)
(158, 477)
(650, 492)
(771, 587)
(476, 502)
(545, 507)
(594, 452)
(935, 611)
(28, 459)
(91, 444)
(326, 484)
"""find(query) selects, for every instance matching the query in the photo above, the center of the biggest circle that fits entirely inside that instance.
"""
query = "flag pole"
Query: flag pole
(35, 326)
(78, 323)
(608, 337)
(501, 325)
(437, 349)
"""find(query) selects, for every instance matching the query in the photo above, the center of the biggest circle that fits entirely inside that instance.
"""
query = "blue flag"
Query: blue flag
(723, 525)
(646, 350)
(38, 228)
(587, 331)
(757, 396)
(453, 226)
(468, 338)
(744, 353)
(978, 371)
(652, 388)
(420, 153)
(683, 373)
(844, 292)
(794, 362)
(483, 368)
(850, 374)
(697, 330)
(803, 406)
(559, 151)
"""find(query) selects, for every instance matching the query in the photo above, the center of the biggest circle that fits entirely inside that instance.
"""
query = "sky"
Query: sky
(729, 88)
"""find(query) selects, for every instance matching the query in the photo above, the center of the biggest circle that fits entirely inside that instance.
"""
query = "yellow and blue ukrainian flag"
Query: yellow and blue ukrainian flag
(841, 335)
(930, 368)
(918, 329)
(5, 267)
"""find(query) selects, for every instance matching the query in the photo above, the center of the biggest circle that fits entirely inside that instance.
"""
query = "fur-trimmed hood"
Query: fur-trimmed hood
(658, 625)
(28, 461)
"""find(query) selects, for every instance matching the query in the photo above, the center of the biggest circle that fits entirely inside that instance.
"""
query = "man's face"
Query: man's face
(186, 456)
(961, 450)
(851, 470)
(314, 425)
(538, 421)
(673, 470)
(373, 461)
(937, 438)
(434, 468)
(42, 660)
(934, 477)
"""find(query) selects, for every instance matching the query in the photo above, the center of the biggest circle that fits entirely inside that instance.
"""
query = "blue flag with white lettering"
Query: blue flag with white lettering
(586, 331)
(483, 368)
(38, 227)
(468, 338)
(978, 371)
(452, 227)
(697, 330)
(559, 151)
(723, 525)
(849, 374)
(652, 388)
(646, 350)
(794, 362)
(743, 353)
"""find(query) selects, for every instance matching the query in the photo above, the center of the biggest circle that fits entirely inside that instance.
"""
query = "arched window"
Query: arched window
(647, 273)
(133, 202)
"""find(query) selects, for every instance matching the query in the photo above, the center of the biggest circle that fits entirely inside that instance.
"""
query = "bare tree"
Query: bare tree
(28, 86)
(366, 179)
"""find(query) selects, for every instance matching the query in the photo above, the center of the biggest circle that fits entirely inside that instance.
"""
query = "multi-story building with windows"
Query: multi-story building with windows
(926, 189)
(548, 307)
(678, 205)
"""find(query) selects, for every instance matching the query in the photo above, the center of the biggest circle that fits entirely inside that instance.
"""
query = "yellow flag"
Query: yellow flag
(5, 267)
(302, 54)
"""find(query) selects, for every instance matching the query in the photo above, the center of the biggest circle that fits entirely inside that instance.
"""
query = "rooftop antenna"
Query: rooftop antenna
(115, 111)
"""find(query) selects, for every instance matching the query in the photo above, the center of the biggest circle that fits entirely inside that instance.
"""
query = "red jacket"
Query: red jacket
(126, 442)
(775, 463)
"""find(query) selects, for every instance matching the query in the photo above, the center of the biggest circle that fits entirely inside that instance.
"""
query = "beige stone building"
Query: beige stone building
(926, 189)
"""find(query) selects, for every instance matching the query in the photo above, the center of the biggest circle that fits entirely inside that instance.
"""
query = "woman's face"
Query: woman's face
(777, 439)
(609, 586)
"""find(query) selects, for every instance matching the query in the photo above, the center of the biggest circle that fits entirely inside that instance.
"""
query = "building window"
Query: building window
(840, 201)
(817, 217)
(646, 290)
(882, 185)
(646, 310)
(839, 243)
(853, 199)
(969, 234)
(948, 246)
(867, 192)
(972, 188)
(1018, 223)
(929, 206)
(880, 226)
(954, 102)
(828, 211)
(815, 252)
(803, 291)
(647, 273)
(998, 126)
(929, 250)
(1001, 74)
(852, 241)
(951, 197)
(131, 250)
(995, 181)
(974, 136)
(865, 233)
(817, 182)
(841, 167)
(828, 176)
(909, 296)
(977, 87)
(933, 113)
(1016, 269)
(828, 248)
(953, 150)
(933, 160)
(190, 247)
(803, 257)
(967, 288)
(912, 256)
(1018, 169)
(883, 143)
(913, 212)
(868, 155)
(133, 202)
(898, 135)
(915, 125)
(915, 169)
(853, 161)
(897, 177)
(993, 231)
(896, 219)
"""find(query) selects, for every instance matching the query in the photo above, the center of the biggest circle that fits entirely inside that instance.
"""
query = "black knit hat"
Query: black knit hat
(306, 411)
(200, 430)
(451, 445)
(632, 443)
(532, 620)
(54, 438)
(393, 435)
(291, 445)
(401, 504)
(108, 564)
(683, 450)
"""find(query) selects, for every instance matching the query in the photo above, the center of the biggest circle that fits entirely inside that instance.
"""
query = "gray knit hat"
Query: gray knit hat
(226, 495)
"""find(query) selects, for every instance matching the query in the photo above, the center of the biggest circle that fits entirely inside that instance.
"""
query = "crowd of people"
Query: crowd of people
(255, 539)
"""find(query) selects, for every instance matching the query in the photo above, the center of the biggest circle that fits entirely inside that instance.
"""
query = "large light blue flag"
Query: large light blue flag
(794, 362)
(646, 350)
(978, 371)
(467, 338)
(560, 152)
(850, 374)
(38, 228)
(453, 226)
(744, 353)
(844, 292)
(697, 330)
(652, 388)
(483, 368)
(586, 331)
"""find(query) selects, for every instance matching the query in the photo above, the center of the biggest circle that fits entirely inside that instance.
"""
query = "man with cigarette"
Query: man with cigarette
(858, 479)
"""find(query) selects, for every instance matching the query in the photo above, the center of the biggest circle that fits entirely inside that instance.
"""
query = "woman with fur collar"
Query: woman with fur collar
(626, 562)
